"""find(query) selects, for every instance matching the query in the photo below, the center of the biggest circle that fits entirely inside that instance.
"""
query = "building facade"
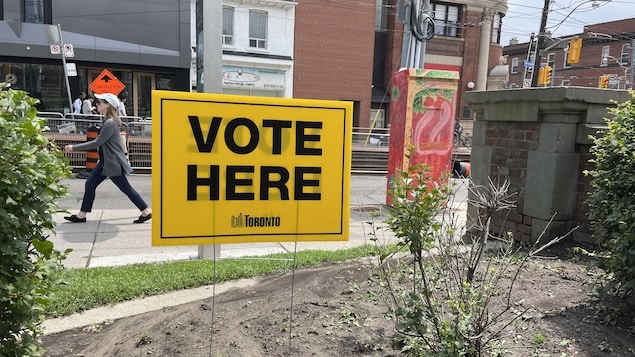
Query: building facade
(605, 60)
(333, 57)
(145, 44)
(349, 51)
(279, 48)
(257, 43)
(460, 27)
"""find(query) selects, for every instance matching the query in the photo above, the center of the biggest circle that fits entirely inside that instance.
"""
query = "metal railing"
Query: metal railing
(371, 137)
(370, 145)
(139, 139)
(72, 128)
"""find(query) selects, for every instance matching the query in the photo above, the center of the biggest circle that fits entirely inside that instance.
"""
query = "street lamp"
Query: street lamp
(632, 56)
(596, 4)
(605, 61)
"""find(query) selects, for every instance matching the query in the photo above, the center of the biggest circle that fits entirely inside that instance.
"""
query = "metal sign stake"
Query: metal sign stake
(68, 86)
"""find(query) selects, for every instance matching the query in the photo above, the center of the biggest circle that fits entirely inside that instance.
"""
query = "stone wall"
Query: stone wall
(537, 140)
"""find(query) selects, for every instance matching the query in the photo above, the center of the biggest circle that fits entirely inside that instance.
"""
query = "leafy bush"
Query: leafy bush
(448, 298)
(30, 170)
(611, 201)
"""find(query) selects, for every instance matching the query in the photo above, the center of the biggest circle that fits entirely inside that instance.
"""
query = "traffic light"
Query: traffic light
(541, 75)
(604, 82)
(547, 77)
(544, 75)
(575, 46)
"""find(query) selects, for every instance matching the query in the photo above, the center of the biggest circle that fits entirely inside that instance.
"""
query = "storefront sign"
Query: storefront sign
(253, 78)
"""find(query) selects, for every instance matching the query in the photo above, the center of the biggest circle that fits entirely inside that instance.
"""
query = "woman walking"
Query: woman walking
(112, 161)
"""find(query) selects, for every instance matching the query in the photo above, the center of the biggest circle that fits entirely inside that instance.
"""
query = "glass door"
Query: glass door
(91, 74)
(143, 84)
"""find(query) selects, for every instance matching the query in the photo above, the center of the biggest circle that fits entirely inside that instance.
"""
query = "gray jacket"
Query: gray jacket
(109, 139)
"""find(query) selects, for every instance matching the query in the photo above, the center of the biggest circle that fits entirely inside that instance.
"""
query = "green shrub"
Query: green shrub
(446, 297)
(612, 199)
(30, 171)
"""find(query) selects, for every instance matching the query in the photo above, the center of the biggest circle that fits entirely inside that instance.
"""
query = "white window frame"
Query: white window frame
(228, 25)
(257, 34)
(604, 60)
(551, 59)
(515, 62)
(624, 57)
(446, 19)
(565, 63)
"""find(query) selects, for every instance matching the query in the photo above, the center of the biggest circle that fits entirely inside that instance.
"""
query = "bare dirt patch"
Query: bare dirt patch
(337, 313)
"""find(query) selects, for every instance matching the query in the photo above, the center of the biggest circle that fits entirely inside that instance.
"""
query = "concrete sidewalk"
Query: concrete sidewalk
(110, 238)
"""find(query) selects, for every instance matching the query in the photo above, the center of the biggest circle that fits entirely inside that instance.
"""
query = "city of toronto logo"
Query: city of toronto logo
(246, 220)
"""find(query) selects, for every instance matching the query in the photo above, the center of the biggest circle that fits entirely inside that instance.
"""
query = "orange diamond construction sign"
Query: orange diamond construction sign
(106, 82)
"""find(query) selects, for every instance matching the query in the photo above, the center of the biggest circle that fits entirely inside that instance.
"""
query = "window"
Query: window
(566, 82)
(228, 25)
(446, 18)
(514, 65)
(37, 11)
(624, 58)
(604, 60)
(381, 15)
(30, 78)
(565, 63)
(257, 29)
(466, 112)
(496, 29)
(551, 59)
(377, 118)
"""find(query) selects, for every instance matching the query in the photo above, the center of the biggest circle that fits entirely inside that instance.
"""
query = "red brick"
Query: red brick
(523, 228)
(333, 45)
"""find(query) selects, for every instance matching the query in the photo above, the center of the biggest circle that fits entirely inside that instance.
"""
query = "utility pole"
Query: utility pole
(541, 41)
(209, 17)
(415, 16)
(422, 55)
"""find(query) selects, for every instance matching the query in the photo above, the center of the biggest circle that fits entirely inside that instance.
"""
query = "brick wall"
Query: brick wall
(537, 140)
(511, 143)
(333, 59)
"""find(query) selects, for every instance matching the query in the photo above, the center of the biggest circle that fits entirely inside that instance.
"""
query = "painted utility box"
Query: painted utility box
(422, 114)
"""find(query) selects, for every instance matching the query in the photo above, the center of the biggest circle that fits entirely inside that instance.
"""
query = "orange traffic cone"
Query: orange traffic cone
(92, 156)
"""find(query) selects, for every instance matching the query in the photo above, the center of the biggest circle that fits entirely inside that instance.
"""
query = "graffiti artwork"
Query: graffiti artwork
(422, 115)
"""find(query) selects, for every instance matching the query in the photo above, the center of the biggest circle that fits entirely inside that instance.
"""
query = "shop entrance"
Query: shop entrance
(138, 90)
